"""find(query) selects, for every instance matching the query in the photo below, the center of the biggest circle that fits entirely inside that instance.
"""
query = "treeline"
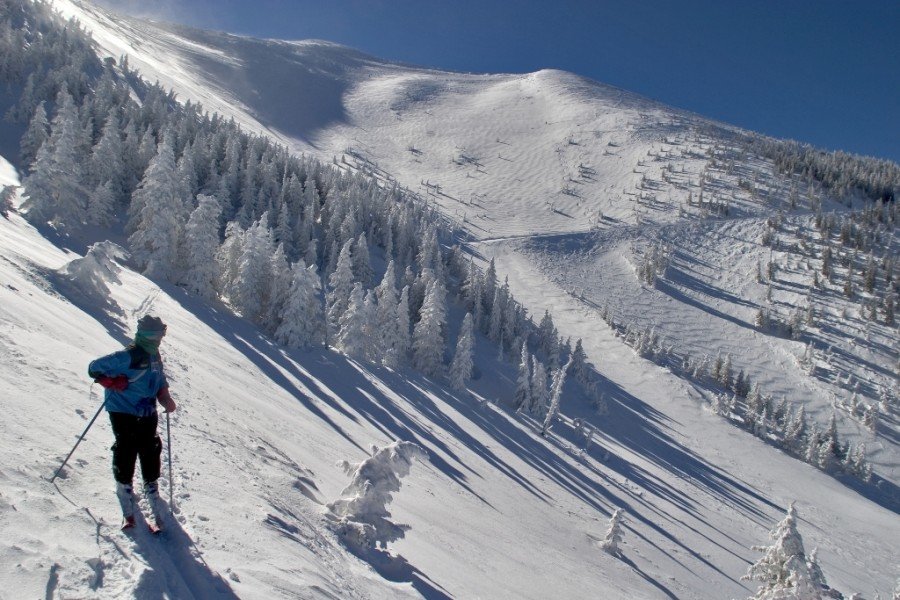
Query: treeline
(837, 171)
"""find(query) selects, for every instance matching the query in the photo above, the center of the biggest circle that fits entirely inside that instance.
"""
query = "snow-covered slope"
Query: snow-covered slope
(565, 182)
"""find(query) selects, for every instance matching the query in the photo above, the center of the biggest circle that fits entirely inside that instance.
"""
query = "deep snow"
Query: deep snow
(526, 164)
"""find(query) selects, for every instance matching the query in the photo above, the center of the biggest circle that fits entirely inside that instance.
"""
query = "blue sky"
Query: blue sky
(825, 72)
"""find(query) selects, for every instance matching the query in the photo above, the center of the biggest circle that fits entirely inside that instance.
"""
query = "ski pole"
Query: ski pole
(169, 446)
(96, 414)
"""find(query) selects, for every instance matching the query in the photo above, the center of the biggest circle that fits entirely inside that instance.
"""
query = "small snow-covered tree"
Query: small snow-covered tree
(614, 534)
(302, 320)
(201, 242)
(360, 515)
(462, 364)
(784, 570)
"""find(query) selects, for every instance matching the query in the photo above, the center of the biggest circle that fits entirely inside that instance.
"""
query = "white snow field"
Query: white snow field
(566, 183)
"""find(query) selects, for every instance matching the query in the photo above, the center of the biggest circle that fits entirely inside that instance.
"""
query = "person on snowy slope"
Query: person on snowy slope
(134, 381)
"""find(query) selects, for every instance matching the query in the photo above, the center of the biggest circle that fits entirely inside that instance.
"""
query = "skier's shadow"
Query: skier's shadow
(399, 570)
(173, 557)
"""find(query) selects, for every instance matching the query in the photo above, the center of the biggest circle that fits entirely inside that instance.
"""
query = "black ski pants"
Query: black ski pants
(135, 437)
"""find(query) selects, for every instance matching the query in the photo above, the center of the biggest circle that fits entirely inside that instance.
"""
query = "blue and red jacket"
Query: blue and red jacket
(145, 380)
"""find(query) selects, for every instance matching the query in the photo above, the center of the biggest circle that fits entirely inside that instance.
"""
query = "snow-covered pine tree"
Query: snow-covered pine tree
(302, 320)
(351, 327)
(254, 284)
(228, 260)
(54, 190)
(201, 245)
(614, 533)
(539, 392)
(404, 337)
(107, 163)
(428, 340)
(340, 285)
(280, 288)
(386, 319)
(362, 264)
(35, 135)
(462, 364)
(783, 570)
(522, 399)
(158, 216)
(556, 389)
(361, 514)
(579, 364)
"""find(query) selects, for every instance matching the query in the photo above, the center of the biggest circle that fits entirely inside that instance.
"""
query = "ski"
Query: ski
(154, 528)
(127, 523)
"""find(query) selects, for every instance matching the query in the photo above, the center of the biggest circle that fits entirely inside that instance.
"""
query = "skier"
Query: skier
(134, 382)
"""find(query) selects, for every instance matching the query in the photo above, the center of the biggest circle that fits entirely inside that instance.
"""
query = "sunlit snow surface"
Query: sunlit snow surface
(525, 164)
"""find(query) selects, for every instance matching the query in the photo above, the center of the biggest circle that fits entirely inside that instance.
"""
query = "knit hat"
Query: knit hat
(151, 326)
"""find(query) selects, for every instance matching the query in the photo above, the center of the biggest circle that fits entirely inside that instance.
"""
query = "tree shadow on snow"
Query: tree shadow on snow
(399, 570)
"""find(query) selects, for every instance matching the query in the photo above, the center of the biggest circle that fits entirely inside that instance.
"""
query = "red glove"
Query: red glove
(117, 383)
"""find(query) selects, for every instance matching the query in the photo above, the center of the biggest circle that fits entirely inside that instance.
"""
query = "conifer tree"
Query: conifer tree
(556, 389)
(201, 245)
(428, 341)
(107, 164)
(783, 570)
(614, 534)
(462, 365)
(362, 267)
(228, 259)
(404, 341)
(37, 133)
(302, 320)
(351, 327)
(522, 399)
(54, 191)
(282, 278)
(539, 392)
(254, 284)
(341, 284)
(158, 216)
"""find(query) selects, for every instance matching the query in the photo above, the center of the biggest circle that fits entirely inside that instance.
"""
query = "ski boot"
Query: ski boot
(157, 508)
(125, 495)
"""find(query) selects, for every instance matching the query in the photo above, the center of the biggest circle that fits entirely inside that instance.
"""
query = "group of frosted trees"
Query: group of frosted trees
(311, 254)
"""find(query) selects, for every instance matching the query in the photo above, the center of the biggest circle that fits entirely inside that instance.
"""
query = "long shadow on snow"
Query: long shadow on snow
(267, 357)
(529, 447)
